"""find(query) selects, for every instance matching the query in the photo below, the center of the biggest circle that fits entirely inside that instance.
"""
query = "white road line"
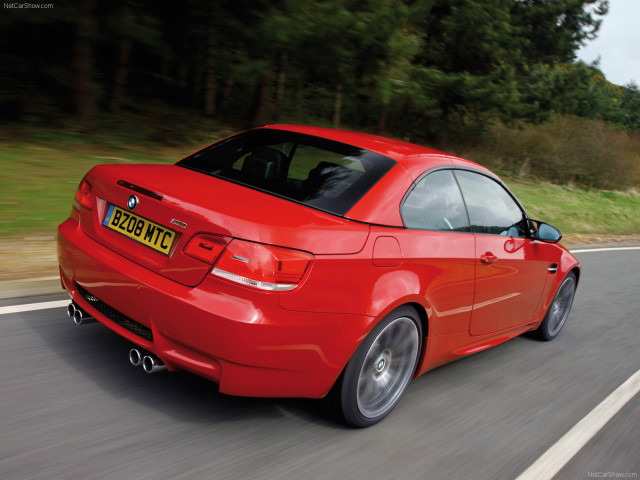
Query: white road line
(33, 306)
(606, 249)
(552, 461)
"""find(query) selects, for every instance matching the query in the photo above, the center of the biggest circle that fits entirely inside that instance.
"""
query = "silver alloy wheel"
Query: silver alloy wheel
(561, 306)
(388, 367)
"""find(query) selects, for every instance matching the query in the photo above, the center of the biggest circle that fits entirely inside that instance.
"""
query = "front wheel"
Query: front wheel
(379, 372)
(559, 309)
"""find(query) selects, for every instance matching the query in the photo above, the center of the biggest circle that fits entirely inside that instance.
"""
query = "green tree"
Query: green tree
(552, 31)
(629, 117)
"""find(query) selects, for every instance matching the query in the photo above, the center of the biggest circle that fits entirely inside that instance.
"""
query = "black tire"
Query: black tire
(380, 370)
(559, 309)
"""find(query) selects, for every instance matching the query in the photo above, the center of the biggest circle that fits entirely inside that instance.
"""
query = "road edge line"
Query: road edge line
(561, 452)
(29, 307)
(603, 249)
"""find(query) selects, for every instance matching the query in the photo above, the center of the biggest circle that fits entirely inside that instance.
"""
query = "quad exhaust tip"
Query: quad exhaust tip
(135, 357)
(79, 316)
(150, 363)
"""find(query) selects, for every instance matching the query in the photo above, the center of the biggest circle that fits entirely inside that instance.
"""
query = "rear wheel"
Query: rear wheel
(559, 309)
(380, 371)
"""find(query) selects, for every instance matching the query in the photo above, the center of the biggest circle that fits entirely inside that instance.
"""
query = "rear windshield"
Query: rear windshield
(314, 171)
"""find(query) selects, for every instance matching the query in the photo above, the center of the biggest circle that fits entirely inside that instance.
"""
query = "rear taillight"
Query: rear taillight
(206, 247)
(83, 194)
(262, 266)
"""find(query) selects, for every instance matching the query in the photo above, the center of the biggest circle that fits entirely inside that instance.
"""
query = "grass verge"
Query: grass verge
(40, 175)
(576, 210)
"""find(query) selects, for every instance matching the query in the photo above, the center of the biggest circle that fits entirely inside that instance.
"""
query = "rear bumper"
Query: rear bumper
(236, 336)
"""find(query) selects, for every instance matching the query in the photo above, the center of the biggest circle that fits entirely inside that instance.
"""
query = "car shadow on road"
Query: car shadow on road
(101, 357)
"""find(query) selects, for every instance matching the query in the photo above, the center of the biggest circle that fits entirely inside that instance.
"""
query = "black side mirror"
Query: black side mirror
(544, 232)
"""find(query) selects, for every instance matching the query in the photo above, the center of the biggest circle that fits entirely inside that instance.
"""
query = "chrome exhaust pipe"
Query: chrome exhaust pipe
(135, 357)
(80, 317)
(152, 364)
(71, 309)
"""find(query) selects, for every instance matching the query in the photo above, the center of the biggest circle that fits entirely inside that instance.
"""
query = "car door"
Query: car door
(439, 247)
(510, 277)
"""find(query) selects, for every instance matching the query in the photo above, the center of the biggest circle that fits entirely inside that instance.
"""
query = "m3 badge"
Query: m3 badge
(178, 223)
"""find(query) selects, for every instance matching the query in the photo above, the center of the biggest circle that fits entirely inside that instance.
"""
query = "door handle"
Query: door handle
(488, 258)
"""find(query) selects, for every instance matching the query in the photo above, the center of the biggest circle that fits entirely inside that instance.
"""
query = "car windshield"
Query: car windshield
(314, 171)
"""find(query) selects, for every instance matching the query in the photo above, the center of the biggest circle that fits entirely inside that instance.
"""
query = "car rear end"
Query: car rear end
(191, 266)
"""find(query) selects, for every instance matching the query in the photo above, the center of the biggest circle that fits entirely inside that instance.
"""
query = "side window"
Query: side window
(491, 208)
(435, 203)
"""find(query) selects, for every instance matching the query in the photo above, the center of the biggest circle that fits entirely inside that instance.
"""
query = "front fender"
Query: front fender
(567, 263)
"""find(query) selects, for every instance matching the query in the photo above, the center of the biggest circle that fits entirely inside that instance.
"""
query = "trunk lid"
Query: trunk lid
(189, 203)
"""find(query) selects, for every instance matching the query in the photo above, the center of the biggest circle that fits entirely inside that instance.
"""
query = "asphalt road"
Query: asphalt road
(72, 407)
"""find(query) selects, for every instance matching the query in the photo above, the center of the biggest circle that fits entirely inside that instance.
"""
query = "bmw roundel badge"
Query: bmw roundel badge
(132, 203)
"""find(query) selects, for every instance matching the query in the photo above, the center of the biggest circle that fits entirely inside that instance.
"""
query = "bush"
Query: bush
(568, 150)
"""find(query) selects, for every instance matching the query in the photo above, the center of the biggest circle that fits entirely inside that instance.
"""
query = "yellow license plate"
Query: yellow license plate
(140, 229)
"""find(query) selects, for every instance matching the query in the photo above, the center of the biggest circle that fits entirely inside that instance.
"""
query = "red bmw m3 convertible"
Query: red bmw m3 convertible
(290, 261)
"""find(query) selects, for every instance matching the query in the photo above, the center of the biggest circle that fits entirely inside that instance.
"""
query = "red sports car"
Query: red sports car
(291, 261)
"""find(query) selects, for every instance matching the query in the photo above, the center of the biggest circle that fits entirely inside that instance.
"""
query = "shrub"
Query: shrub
(568, 150)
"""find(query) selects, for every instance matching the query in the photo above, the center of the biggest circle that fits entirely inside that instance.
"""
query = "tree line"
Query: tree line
(424, 69)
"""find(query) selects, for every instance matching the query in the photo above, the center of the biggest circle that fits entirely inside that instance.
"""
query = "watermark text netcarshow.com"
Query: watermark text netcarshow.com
(613, 475)
(28, 5)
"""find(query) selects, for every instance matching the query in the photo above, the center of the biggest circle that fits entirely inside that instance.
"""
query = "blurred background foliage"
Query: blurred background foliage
(497, 79)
